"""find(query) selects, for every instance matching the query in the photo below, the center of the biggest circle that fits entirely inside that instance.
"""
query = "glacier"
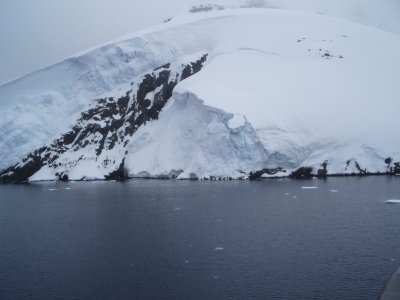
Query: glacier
(241, 93)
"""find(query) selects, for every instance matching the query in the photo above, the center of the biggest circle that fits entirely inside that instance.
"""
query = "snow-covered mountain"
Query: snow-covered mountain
(221, 93)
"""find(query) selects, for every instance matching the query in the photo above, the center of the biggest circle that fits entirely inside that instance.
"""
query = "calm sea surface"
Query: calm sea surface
(168, 239)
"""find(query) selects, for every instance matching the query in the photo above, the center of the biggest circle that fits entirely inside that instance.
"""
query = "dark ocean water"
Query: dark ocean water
(162, 239)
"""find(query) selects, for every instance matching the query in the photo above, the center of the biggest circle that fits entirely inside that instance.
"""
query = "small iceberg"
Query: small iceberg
(219, 248)
(178, 208)
(309, 187)
(334, 191)
(67, 188)
(392, 201)
(53, 189)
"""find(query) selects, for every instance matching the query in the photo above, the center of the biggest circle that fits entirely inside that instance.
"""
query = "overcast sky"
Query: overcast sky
(37, 33)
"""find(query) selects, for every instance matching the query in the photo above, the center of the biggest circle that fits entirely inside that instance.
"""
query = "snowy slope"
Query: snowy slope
(382, 14)
(278, 89)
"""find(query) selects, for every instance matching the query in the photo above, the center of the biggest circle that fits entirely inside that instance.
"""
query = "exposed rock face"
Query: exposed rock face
(193, 68)
(323, 172)
(106, 126)
(302, 173)
(393, 168)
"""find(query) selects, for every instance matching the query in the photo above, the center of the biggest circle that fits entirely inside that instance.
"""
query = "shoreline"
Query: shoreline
(212, 178)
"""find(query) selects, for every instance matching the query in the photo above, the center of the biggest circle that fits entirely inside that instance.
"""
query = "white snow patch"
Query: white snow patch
(44, 174)
(276, 175)
(236, 121)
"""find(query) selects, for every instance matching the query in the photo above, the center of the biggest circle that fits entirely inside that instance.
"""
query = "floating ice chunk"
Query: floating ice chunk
(334, 191)
(215, 277)
(286, 193)
(392, 201)
(309, 187)
(53, 189)
(178, 208)
(186, 261)
(67, 188)
(219, 248)
(294, 197)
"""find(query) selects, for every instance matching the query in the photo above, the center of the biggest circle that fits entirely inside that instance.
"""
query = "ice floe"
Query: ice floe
(392, 201)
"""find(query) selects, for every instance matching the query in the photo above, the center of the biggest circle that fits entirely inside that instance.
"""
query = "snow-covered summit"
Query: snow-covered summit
(216, 94)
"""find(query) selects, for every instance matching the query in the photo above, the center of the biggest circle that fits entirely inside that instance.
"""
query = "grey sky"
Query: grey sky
(36, 33)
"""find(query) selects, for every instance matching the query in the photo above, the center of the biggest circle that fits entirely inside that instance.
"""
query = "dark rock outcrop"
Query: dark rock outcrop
(322, 173)
(193, 68)
(302, 173)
